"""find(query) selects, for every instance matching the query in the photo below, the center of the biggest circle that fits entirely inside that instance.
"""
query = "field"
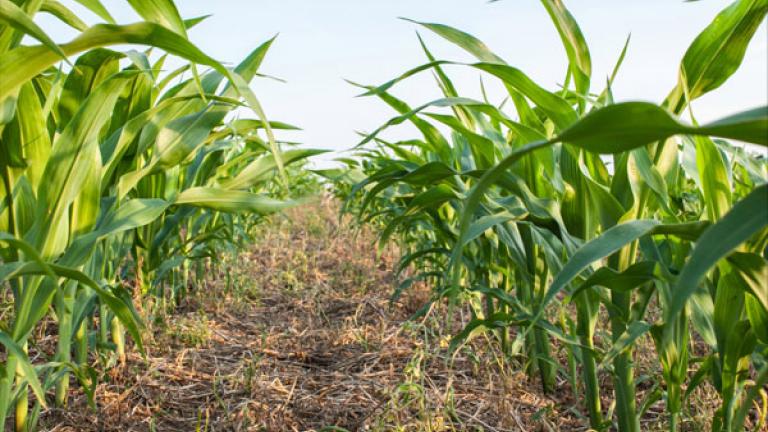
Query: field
(542, 258)
(305, 339)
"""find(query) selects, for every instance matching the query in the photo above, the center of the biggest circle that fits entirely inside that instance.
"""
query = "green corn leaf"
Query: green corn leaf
(486, 222)
(33, 136)
(121, 140)
(464, 40)
(21, 64)
(409, 258)
(248, 68)
(131, 214)
(622, 127)
(718, 51)
(92, 68)
(14, 16)
(27, 370)
(71, 155)
(65, 15)
(501, 320)
(407, 283)
(640, 164)
(124, 312)
(259, 169)
(478, 326)
(478, 49)
(741, 343)
(758, 318)
(752, 395)
(243, 126)
(625, 126)
(163, 12)
(574, 43)
(179, 138)
(747, 217)
(191, 22)
(243, 90)
(609, 242)
(85, 207)
(607, 96)
(749, 126)
(553, 105)
(433, 135)
(231, 201)
(432, 198)
(714, 180)
(625, 341)
(96, 7)
(429, 132)
(753, 273)
(634, 276)
(168, 78)
(612, 129)
(428, 173)
(476, 195)
(176, 141)
(30, 254)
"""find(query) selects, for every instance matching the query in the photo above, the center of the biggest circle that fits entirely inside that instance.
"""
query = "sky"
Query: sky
(322, 43)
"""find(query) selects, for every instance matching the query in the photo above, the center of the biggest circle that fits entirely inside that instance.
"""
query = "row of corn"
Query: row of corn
(120, 176)
(573, 228)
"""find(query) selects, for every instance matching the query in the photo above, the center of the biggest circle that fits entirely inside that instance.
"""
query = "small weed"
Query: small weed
(191, 330)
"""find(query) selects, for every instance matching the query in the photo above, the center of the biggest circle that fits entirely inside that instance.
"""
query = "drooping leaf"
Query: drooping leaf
(14, 16)
(23, 63)
(231, 200)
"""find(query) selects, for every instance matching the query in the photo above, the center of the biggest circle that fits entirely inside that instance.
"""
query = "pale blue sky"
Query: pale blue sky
(323, 41)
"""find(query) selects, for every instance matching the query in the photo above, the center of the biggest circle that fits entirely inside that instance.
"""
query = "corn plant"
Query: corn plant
(543, 212)
(117, 177)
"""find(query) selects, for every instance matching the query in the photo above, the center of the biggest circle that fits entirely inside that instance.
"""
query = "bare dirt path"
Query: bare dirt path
(303, 338)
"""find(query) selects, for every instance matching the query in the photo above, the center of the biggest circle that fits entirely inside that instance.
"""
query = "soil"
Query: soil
(298, 334)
